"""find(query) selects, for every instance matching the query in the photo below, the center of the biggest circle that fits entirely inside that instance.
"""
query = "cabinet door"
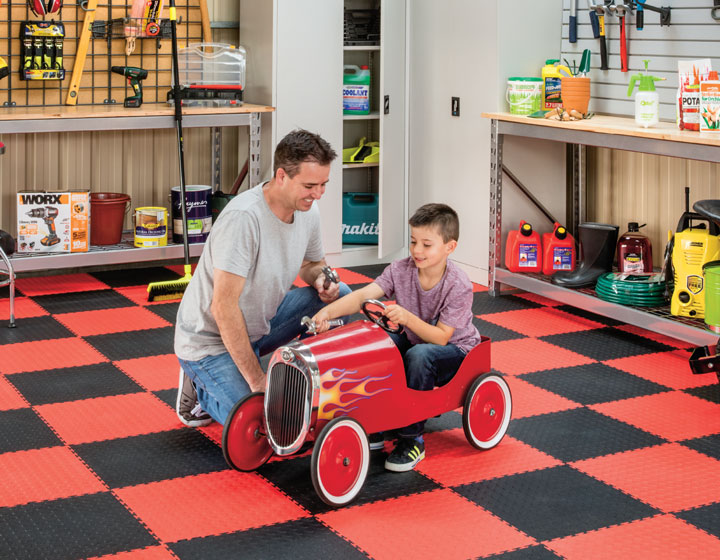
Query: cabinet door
(308, 85)
(393, 67)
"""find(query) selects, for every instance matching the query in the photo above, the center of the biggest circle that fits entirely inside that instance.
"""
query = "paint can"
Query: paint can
(150, 226)
(199, 213)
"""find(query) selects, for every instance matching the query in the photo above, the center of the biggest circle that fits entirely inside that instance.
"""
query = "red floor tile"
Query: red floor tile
(214, 432)
(10, 399)
(154, 373)
(479, 287)
(138, 295)
(180, 268)
(47, 354)
(530, 354)
(442, 525)
(37, 475)
(539, 299)
(451, 460)
(149, 553)
(350, 277)
(657, 337)
(61, 284)
(671, 369)
(220, 501)
(108, 417)
(544, 321)
(24, 308)
(106, 321)
(674, 416)
(678, 477)
(663, 537)
(529, 400)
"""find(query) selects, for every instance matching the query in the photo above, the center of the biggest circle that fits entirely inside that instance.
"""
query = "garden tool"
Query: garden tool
(597, 20)
(573, 21)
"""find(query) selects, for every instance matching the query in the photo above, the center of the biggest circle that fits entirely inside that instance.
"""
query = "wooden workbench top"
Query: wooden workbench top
(605, 124)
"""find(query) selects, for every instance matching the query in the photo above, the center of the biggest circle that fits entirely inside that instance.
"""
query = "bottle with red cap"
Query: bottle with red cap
(558, 251)
(523, 252)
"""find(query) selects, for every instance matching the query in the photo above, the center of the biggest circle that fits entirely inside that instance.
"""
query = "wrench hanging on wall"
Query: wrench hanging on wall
(597, 20)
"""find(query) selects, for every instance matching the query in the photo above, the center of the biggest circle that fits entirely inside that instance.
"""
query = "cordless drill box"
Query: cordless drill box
(53, 222)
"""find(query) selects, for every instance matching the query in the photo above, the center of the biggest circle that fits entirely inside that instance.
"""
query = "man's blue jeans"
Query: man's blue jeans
(218, 381)
(426, 366)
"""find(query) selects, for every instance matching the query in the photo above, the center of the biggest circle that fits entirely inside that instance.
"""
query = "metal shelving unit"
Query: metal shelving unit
(607, 132)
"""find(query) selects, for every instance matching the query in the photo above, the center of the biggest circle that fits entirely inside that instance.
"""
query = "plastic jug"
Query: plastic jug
(634, 251)
(356, 90)
(522, 251)
(558, 251)
(552, 74)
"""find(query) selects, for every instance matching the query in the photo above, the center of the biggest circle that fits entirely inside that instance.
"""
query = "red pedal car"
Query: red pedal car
(339, 386)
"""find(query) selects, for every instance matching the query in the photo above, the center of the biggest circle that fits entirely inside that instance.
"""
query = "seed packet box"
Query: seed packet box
(38, 212)
(710, 106)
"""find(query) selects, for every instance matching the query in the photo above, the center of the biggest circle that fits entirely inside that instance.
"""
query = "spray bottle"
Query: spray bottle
(647, 102)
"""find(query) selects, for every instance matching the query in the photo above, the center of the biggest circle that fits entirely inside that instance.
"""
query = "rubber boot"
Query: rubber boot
(597, 251)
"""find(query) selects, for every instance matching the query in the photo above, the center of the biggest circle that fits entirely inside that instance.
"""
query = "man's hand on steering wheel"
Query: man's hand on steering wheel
(329, 294)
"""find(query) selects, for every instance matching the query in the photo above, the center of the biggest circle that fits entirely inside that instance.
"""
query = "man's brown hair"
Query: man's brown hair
(440, 216)
(299, 146)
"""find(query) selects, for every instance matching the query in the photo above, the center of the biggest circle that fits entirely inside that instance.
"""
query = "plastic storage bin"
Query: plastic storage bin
(360, 218)
(211, 64)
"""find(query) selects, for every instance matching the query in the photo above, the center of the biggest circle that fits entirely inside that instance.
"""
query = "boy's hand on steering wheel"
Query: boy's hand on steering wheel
(398, 315)
(326, 295)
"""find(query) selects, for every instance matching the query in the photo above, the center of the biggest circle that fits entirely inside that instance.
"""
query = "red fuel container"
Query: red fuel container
(558, 251)
(523, 250)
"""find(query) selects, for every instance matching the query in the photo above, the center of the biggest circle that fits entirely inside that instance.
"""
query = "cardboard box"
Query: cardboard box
(710, 105)
(53, 222)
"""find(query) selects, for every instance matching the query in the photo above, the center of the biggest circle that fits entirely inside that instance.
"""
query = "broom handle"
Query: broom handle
(178, 123)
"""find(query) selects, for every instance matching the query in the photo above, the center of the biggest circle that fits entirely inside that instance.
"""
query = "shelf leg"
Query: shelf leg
(496, 147)
(576, 191)
(254, 167)
(216, 179)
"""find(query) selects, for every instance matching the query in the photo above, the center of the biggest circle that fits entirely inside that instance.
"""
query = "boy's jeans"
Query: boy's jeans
(426, 366)
(218, 381)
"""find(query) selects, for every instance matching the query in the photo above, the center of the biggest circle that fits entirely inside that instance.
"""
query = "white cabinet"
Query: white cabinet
(296, 55)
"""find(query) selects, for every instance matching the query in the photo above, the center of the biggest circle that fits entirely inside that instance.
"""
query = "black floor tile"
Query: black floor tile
(167, 311)
(593, 383)
(134, 344)
(153, 457)
(495, 332)
(448, 421)
(706, 518)
(83, 301)
(589, 315)
(553, 503)
(708, 392)
(135, 276)
(606, 343)
(572, 435)
(80, 527)
(484, 303)
(372, 271)
(710, 445)
(538, 552)
(22, 429)
(168, 396)
(69, 384)
(34, 328)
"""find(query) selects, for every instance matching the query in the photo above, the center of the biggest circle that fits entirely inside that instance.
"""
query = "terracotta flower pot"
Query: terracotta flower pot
(575, 93)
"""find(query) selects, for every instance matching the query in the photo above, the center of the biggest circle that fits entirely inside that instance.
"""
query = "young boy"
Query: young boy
(434, 301)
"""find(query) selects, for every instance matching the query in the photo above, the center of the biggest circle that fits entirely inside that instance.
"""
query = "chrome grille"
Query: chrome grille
(287, 407)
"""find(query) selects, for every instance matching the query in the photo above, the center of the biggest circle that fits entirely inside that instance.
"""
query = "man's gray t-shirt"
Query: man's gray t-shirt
(248, 240)
(449, 301)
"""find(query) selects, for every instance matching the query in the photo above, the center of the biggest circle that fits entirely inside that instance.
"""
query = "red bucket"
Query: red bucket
(107, 214)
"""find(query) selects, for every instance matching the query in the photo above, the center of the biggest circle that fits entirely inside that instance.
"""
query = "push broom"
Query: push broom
(174, 289)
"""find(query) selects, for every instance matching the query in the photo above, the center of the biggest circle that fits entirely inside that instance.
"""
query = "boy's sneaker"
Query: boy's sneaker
(377, 441)
(187, 406)
(407, 453)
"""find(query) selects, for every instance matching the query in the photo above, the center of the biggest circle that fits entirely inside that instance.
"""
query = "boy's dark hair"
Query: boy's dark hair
(299, 146)
(441, 216)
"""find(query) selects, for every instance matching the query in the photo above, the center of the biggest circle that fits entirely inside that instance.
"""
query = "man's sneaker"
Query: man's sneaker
(187, 406)
(407, 453)
(377, 441)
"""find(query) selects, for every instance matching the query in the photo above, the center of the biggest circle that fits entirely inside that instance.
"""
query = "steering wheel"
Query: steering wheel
(377, 317)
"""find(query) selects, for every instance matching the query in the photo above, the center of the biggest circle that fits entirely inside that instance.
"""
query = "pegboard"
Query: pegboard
(107, 47)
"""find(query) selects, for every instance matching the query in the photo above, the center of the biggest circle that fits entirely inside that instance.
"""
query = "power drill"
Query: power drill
(134, 75)
(48, 214)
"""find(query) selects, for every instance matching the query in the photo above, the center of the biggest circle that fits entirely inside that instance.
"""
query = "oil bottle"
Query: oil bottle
(522, 250)
(634, 251)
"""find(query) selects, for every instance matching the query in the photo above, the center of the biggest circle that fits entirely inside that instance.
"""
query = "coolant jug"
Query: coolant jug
(558, 251)
(523, 250)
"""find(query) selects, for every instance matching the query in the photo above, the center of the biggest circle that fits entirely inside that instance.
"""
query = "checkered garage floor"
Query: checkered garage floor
(613, 450)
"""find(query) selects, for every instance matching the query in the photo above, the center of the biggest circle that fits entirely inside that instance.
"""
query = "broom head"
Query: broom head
(171, 289)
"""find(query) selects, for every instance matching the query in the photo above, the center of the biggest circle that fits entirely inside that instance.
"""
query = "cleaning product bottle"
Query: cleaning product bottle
(634, 251)
(522, 250)
(647, 101)
(552, 74)
(356, 90)
(558, 251)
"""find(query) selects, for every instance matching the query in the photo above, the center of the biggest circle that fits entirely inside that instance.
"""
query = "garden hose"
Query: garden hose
(639, 290)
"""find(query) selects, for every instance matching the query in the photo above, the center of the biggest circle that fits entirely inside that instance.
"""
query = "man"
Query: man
(239, 305)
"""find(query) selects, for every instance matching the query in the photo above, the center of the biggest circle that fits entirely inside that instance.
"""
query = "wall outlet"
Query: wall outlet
(455, 107)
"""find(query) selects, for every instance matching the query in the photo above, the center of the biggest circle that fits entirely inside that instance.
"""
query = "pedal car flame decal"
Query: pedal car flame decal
(341, 389)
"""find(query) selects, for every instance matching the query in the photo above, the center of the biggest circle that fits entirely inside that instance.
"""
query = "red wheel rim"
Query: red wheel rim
(487, 411)
(341, 460)
(247, 447)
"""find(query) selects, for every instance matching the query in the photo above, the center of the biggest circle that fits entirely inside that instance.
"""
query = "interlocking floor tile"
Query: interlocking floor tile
(38, 475)
(706, 518)
(556, 502)
(152, 457)
(671, 369)
(496, 333)
(607, 321)
(139, 296)
(653, 414)
(304, 539)
(579, 434)
(107, 321)
(34, 328)
(70, 384)
(530, 354)
(535, 298)
(24, 308)
(167, 311)
(668, 486)
(657, 337)
(537, 552)
(371, 271)
(135, 344)
(83, 301)
(606, 344)
(710, 445)
(484, 303)
(593, 383)
(154, 373)
(708, 392)
(22, 429)
(543, 321)
(529, 400)
(147, 553)
(443, 525)
(352, 278)
(60, 284)
(661, 538)
(219, 499)
(135, 277)
(9, 397)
